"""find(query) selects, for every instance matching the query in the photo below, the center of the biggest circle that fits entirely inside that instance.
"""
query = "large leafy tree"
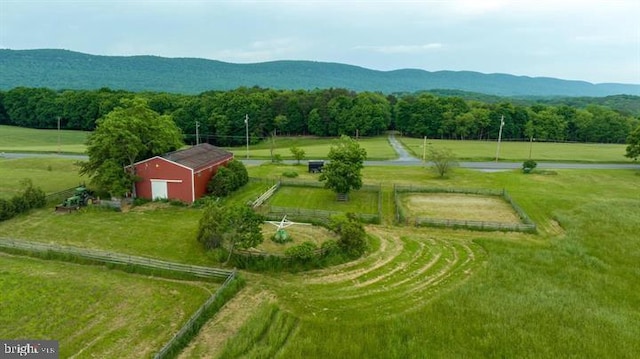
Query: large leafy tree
(129, 133)
(343, 172)
(230, 226)
(633, 149)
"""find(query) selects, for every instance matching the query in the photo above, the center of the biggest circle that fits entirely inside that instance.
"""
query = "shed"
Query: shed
(181, 175)
(315, 166)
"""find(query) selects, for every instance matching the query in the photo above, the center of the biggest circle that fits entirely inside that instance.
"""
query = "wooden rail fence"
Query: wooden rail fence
(192, 326)
(527, 224)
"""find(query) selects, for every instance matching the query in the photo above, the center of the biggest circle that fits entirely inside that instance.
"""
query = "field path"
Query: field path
(410, 268)
(211, 339)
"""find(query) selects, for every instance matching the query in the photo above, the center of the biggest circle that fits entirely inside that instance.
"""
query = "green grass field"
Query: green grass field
(51, 175)
(92, 311)
(519, 151)
(378, 148)
(568, 291)
(19, 139)
(324, 199)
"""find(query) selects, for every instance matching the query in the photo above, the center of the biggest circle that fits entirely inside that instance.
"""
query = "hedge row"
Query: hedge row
(31, 197)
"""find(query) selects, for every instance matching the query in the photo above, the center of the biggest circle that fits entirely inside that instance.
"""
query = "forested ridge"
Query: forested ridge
(220, 115)
(63, 69)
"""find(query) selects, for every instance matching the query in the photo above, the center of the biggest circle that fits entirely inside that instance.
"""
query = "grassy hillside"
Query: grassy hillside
(568, 291)
(62, 69)
(20, 139)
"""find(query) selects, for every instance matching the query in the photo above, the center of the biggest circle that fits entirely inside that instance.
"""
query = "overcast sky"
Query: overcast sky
(595, 41)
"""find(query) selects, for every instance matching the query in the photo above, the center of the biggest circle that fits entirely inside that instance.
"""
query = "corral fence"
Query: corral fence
(60, 196)
(527, 224)
(311, 215)
(104, 257)
(265, 196)
(257, 253)
(195, 322)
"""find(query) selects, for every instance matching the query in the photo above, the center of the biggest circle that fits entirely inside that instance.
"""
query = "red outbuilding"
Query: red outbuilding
(182, 175)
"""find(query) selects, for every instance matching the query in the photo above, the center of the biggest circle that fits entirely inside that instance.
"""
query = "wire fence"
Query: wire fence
(60, 196)
(195, 322)
(105, 257)
(306, 214)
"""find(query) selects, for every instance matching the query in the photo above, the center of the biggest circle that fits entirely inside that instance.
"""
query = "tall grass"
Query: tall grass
(569, 292)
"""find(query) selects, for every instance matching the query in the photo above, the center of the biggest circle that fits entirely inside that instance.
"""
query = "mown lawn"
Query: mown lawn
(519, 151)
(92, 311)
(51, 174)
(20, 139)
(360, 201)
(378, 148)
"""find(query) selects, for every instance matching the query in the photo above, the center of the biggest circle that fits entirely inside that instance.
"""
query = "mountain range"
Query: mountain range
(64, 69)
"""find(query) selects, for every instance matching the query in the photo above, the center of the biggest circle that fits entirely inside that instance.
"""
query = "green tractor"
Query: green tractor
(81, 197)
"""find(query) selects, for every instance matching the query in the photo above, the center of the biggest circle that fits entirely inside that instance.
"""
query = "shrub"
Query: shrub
(31, 197)
(222, 184)
(352, 240)
(330, 247)
(6, 209)
(290, 174)
(228, 179)
(528, 166)
(242, 175)
(303, 252)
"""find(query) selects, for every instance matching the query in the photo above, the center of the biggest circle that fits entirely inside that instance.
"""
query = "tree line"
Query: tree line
(219, 116)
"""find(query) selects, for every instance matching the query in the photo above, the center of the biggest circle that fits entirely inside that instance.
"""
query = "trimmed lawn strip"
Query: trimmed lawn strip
(51, 174)
(163, 233)
(519, 151)
(324, 199)
(378, 148)
(20, 139)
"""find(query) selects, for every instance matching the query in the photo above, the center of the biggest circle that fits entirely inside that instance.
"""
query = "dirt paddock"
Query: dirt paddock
(459, 206)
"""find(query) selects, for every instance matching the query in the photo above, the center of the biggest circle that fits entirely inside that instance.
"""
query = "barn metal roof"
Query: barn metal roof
(199, 156)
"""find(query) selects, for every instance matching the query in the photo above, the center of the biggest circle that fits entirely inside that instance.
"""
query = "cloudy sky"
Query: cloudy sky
(595, 41)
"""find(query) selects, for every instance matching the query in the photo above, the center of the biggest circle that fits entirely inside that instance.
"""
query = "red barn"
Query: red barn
(181, 175)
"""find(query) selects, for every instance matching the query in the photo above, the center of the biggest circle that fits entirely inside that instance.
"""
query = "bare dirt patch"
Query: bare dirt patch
(459, 206)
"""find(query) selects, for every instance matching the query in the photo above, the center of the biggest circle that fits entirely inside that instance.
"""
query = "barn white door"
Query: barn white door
(159, 190)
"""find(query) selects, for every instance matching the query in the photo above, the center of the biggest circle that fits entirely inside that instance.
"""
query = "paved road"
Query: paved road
(403, 155)
(404, 159)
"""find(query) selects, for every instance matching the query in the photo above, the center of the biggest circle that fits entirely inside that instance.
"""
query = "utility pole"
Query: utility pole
(499, 137)
(424, 150)
(197, 133)
(530, 145)
(58, 134)
(246, 126)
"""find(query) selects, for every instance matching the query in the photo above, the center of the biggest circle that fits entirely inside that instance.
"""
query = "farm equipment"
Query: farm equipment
(81, 197)
(315, 166)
